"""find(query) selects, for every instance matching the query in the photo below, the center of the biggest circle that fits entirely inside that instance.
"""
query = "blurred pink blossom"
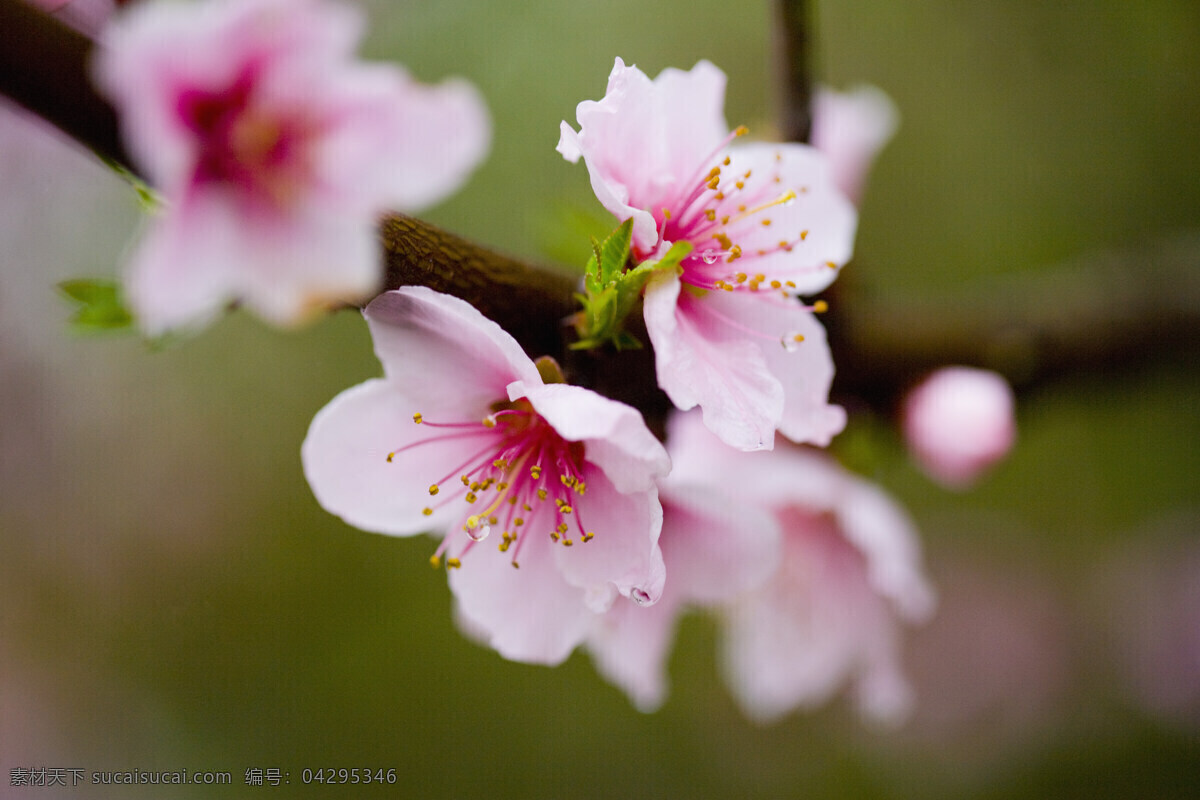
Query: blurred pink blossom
(848, 574)
(562, 478)
(959, 422)
(714, 549)
(766, 222)
(810, 569)
(851, 128)
(86, 16)
(274, 151)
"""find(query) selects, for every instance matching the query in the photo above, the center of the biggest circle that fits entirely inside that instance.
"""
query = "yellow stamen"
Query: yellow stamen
(417, 417)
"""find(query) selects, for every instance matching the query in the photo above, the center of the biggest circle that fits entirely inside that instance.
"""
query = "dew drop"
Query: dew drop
(641, 597)
(480, 533)
(791, 341)
(710, 256)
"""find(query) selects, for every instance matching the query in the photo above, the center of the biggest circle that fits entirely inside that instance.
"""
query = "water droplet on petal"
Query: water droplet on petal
(710, 256)
(641, 597)
(480, 533)
(791, 341)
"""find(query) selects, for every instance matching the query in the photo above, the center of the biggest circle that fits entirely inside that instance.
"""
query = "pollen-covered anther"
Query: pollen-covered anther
(588, 536)
(433, 489)
(434, 561)
(535, 472)
(710, 215)
(489, 421)
(741, 130)
(740, 277)
(541, 493)
(466, 481)
(666, 212)
(820, 307)
(427, 511)
(831, 265)
(471, 497)
(803, 235)
(734, 254)
(790, 341)
(417, 417)
(453, 563)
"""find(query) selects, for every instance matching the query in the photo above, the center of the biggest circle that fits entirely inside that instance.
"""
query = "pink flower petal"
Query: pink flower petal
(458, 357)
(701, 362)
(630, 645)
(528, 614)
(851, 128)
(615, 435)
(959, 422)
(646, 137)
(714, 549)
(345, 457)
(253, 116)
(792, 643)
(624, 555)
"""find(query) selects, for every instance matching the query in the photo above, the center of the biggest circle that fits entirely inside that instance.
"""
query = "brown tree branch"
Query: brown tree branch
(44, 67)
(1112, 310)
(793, 49)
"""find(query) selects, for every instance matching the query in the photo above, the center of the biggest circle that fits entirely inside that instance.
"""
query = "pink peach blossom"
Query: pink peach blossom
(766, 223)
(849, 573)
(851, 128)
(714, 548)
(274, 152)
(959, 422)
(463, 436)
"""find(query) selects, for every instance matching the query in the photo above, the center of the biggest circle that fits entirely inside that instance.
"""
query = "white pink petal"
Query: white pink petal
(461, 437)
(274, 152)
(958, 422)
(766, 222)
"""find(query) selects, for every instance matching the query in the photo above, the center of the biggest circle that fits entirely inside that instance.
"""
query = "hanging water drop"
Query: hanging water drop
(791, 341)
(710, 256)
(641, 597)
(478, 534)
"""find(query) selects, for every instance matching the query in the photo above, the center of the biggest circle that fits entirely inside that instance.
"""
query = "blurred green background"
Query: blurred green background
(172, 597)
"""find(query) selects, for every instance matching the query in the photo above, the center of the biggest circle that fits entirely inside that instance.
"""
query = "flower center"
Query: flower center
(263, 152)
(715, 210)
(523, 476)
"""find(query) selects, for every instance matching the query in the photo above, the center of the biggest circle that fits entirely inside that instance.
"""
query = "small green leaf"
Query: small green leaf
(100, 305)
(614, 253)
(147, 197)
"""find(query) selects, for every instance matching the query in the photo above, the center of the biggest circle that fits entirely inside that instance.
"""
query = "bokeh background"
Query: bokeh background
(172, 597)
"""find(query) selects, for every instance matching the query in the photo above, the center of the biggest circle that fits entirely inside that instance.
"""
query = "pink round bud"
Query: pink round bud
(958, 422)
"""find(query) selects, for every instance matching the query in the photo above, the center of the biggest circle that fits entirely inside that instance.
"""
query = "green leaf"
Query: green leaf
(101, 307)
(147, 197)
(614, 253)
(613, 291)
